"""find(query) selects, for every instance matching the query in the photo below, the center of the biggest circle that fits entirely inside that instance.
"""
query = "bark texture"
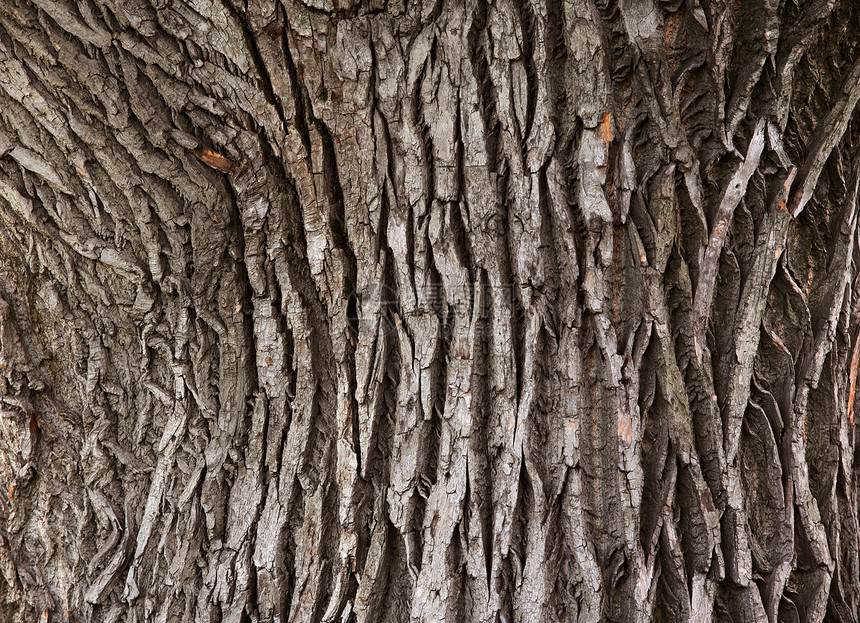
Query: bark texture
(387, 311)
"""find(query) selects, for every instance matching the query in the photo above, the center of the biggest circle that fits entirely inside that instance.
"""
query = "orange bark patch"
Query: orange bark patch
(673, 22)
(625, 428)
(707, 500)
(852, 377)
(11, 491)
(606, 127)
(213, 159)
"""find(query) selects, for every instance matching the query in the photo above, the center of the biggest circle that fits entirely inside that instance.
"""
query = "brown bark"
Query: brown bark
(536, 310)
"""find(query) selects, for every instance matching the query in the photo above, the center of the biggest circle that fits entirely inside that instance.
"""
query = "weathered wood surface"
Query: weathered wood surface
(529, 311)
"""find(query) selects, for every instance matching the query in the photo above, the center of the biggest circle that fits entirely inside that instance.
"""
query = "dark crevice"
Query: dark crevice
(479, 439)
(427, 162)
(486, 90)
(397, 587)
(527, 26)
(462, 242)
(259, 63)
(519, 529)
(300, 96)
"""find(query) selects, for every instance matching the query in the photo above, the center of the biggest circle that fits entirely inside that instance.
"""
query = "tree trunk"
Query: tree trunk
(378, 311)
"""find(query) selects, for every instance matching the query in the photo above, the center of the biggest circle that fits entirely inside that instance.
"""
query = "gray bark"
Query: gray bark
(382, 311)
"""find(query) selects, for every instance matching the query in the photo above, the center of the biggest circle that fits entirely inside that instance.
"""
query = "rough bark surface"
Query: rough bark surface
(382, 311)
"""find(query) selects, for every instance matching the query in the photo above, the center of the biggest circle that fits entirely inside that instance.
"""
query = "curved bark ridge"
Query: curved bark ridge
(390, 311)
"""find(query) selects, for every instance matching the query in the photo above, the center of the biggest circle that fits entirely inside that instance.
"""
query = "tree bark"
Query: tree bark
(382, 311)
